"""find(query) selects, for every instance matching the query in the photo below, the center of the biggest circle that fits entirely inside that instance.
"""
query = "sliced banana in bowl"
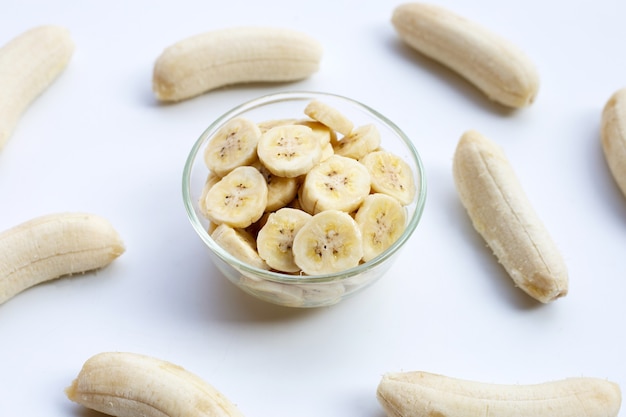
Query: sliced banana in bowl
(332, 193)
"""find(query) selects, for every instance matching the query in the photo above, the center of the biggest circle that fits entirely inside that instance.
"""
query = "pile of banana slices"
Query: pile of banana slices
(316, 195)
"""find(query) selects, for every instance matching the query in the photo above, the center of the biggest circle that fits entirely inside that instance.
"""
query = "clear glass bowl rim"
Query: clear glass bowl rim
(283, 277)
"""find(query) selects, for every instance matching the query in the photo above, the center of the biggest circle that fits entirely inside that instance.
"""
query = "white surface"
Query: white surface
(98, 141)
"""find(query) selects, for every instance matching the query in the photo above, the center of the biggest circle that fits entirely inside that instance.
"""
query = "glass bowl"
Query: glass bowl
(298, 290)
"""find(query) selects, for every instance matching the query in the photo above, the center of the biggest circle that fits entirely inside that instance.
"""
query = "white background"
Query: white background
(98, 141)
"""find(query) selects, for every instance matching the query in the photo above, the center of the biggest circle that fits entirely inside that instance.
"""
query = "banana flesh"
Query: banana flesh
(422, 394)
(328, 242)
(280, 190)
(494, 65)
(29, 63)
(390, 175)
(338, 183)
(239, 243)
(290, 150)
(329, 116)
(361, 141)
(235, 144)
(613, 136)
(127, 384)
(231, 56)
(275, 239)
(238, 199)
(381, 219)
(53, 246)
(501, 213)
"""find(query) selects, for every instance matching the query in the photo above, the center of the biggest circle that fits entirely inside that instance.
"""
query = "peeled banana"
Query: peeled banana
(500, 211)
(423, 394)
(224, 57)
(613, 136)
(494, 65)
(52, 246)
(29, 63)
(128, 384)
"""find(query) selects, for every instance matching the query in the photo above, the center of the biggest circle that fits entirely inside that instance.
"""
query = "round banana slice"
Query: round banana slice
(239, 199)
(329, 116)
(338, 183)
(361, 141)
(327, 152)
(233, 145)
(324, 133)
(240, 244)
(266, 125)
(289, 150)
(390, 175)
(275, 239)
(382, 220)
(210, 181)
(329, 242)
(280, 190)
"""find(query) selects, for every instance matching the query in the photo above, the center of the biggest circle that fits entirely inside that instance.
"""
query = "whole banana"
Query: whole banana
(501, 213)
(29, 63)
(224, 57)
(495, 66)
(422, 394)
(613, 136)
(52, 246)
(133, 385)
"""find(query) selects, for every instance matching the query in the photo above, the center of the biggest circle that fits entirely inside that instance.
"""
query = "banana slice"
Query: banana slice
(210, 181)
(290, 150)
(280, 190)
(268, 124)
(232, 146)
(390, 175)
(329, 242)
(327, 152)
(361, 141)
(329, 116)
(275, 239)
(239, 199)
(240, 244)
(324, 133)
(382, 220)
(338, 183)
